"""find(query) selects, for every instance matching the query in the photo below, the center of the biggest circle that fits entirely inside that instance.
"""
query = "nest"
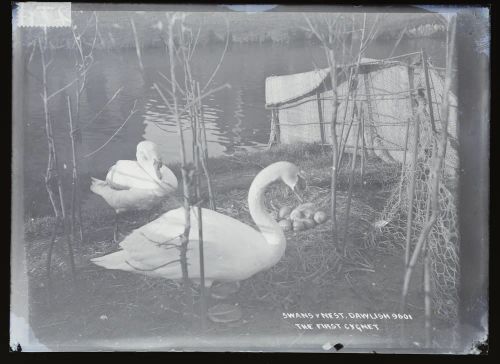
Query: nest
(312, 261)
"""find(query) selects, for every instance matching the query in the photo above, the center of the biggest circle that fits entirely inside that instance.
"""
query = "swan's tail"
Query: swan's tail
(116, 260)
(97, 185)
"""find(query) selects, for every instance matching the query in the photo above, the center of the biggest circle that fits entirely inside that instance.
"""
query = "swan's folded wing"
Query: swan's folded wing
(126, 199)
(216, 224)
(112, 180)
(233, 250)
(117, 260)
(168, 177)
(129, 174)
(156, 244)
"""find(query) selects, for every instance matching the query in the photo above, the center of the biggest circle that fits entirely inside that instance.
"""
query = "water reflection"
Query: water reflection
(161, 128)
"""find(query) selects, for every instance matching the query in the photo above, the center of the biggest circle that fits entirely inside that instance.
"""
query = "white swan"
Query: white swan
(233, 251)
(136, 185)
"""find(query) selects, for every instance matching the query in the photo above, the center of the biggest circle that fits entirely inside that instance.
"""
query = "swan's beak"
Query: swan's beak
(300, 187)
(157, 165)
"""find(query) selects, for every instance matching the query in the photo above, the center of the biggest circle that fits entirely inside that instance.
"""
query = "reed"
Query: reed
(183, 98)
(137, 45)
(333, 37)
(351, 183)
(84, 60)
(53, 182)
(327, 43)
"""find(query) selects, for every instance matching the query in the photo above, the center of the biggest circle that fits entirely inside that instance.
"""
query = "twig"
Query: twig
(186, 178)
(201, 97)
(204, 158)
(351, 185)
(132, 112)
(100, 112)
(399, 40)
(193, 48)
(353, 79)
(221, 58)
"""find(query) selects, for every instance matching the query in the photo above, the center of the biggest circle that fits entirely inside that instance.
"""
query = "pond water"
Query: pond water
(236, 117)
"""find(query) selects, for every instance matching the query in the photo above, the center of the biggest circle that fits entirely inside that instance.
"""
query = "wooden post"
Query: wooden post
(277, 125)
(370, 115)
(411, 86)
(369, 105)
(274, 137)
(343, 143)
(428, 88)
(346, 103)
(320, 118)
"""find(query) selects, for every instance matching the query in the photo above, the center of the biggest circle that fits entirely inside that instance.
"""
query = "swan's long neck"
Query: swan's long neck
(267, 225)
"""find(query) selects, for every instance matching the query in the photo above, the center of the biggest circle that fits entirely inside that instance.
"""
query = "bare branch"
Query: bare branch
(132, 112)
(170, 83)
(86, 26)
(195, 100)
(100, 112)
(78, 42)
(399, 40)
(221, 58)
(314, 30)
(68, 85)
(372, 34)
(195, 43)
(32, 52)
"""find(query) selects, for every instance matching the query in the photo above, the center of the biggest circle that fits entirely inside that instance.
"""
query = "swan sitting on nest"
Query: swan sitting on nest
(233, 251)
(136, 185)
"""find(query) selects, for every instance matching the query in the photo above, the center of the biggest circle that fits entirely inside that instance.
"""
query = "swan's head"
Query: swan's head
(294, 178)
(149, 158)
